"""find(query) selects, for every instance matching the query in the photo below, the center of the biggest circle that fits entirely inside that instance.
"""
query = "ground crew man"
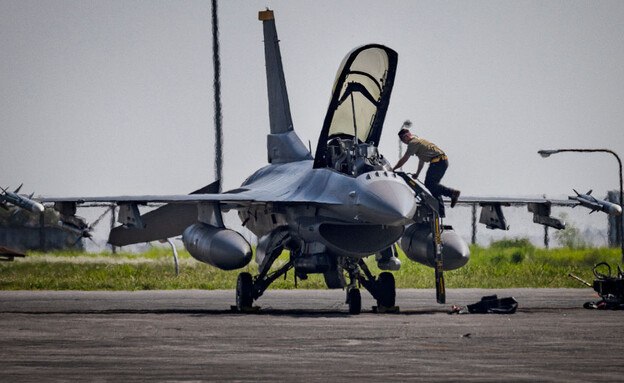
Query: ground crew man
(438, 163)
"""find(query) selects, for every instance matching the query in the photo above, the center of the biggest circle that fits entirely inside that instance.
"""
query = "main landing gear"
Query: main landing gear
(382, 288)
(249, 288)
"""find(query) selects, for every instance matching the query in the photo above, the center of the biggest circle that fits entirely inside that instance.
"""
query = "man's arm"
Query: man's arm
(402, 161)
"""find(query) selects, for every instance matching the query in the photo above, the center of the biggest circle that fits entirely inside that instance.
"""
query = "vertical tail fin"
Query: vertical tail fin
(279, 108)
(283, 144)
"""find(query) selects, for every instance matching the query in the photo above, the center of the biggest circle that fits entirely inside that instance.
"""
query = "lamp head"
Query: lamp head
(547, 153)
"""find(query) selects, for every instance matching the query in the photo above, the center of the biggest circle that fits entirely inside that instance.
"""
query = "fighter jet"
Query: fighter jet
(331, 210)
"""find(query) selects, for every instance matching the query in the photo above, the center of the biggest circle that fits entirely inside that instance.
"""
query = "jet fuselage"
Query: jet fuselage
(313, 201)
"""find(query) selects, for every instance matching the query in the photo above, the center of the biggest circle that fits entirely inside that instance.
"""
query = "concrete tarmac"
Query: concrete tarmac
(304, 335)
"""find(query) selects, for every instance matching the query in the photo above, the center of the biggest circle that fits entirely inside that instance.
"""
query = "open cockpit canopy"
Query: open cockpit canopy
(360, 99)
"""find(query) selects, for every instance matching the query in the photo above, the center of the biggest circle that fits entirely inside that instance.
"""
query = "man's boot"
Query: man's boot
(454, 197)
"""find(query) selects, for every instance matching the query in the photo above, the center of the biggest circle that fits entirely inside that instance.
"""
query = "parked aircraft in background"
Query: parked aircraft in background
(331, 210)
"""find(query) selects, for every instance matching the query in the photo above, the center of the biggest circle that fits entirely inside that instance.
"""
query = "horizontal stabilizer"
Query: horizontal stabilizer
(286, 147)
(165, 222)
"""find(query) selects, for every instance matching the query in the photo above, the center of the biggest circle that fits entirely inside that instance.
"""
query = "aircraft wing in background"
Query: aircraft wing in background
(492, 213)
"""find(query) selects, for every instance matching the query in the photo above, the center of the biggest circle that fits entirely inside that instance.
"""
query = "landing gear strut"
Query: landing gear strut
(354, 298)
(381, 288)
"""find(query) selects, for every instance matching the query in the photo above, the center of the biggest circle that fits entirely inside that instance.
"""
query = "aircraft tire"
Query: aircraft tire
(355, 302)
(244, 297)
(386, 289)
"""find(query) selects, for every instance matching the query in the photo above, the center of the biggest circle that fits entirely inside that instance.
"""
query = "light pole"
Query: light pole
(547, 153)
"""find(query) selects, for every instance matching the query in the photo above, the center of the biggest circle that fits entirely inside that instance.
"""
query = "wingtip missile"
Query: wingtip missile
(20, 201)
(586, 200)
(31, 205)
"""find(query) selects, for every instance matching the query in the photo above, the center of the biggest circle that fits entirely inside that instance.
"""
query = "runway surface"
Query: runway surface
(304, 335)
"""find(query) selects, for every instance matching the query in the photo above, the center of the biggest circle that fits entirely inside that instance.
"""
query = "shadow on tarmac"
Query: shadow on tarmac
(296, 313)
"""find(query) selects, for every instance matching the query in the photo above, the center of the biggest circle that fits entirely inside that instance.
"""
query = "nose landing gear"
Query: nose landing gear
(381, 288)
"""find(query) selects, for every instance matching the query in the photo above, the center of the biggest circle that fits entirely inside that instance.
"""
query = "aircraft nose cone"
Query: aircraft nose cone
(386, 200)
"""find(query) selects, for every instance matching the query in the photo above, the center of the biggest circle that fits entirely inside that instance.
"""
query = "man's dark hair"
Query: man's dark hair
(403, 131)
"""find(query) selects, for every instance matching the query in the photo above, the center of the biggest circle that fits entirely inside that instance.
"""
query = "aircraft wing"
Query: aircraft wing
(237, 197)
(177, 213)
(492, 213)
(153, 199)
(514, 201)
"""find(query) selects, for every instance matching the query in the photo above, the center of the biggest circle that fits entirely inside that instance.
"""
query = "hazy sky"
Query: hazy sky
(115, 97)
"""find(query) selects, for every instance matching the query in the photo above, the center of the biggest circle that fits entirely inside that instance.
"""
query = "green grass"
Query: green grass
(505, 264)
